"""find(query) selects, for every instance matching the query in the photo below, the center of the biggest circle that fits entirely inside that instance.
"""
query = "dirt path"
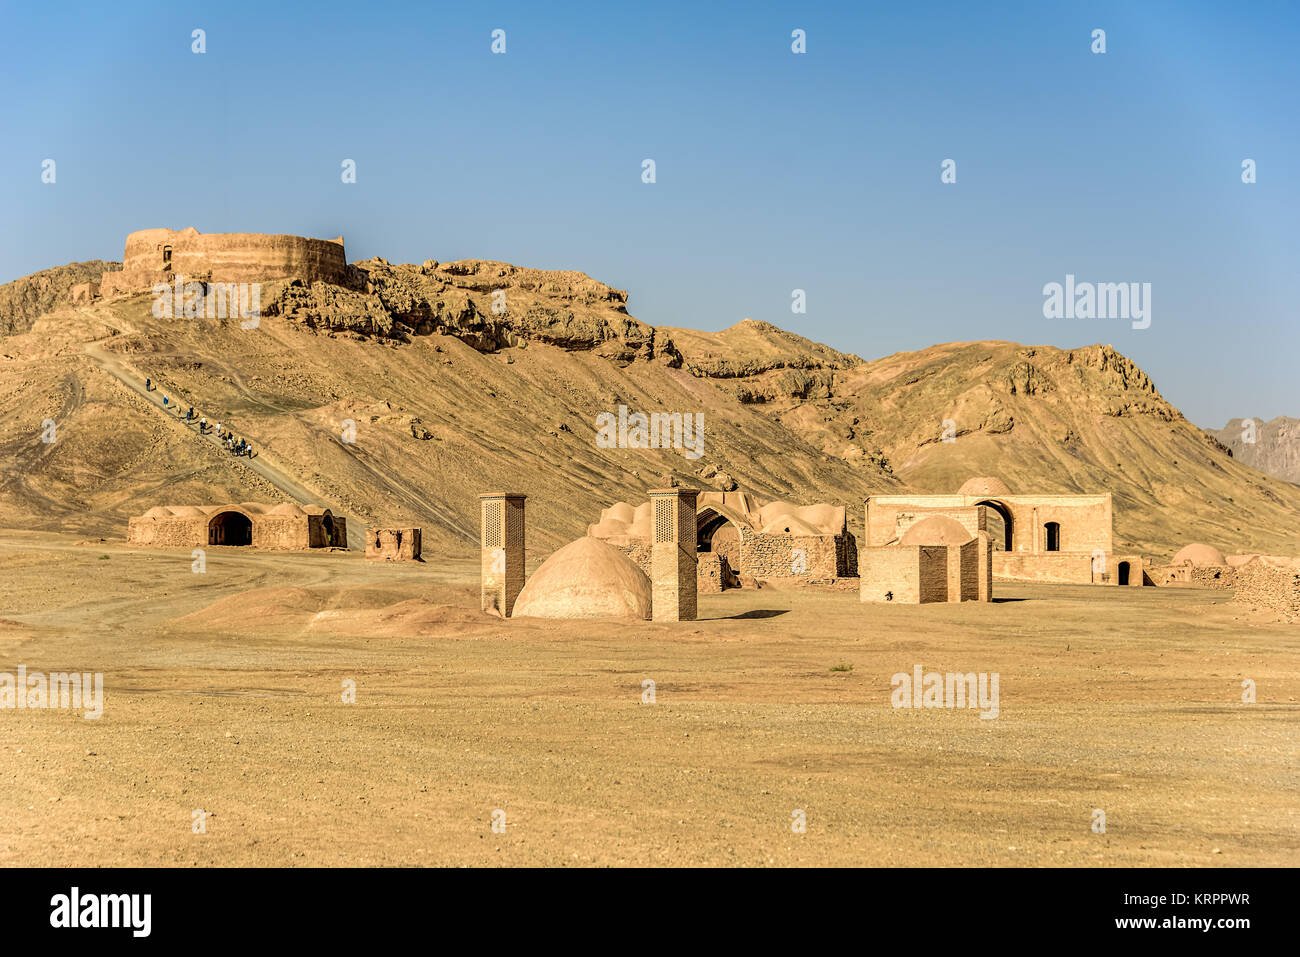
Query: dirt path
(280, 478)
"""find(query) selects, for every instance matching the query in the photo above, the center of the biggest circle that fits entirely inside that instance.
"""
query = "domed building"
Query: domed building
(1065, 538)
(936, 530)
(285, 526)
(1199, 555)
(935, 559)
(984, 486)
(586, 578)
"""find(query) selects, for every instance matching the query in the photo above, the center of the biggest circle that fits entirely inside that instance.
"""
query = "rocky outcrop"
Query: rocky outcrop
(1272, 447)
(487, 305)
(25, 300)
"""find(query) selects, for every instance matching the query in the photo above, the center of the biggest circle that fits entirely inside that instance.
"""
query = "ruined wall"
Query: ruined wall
(223, 257)
(711, 573)
(1270, 584)
(773, 556)
(1196, 576)
(393, 544)
(167, 532)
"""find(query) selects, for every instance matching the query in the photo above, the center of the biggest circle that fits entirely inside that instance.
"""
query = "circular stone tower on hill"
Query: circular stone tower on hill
(161, 255)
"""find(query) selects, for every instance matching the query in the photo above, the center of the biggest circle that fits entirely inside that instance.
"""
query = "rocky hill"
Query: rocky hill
(25, 299)
(468, 376)
(1272, 446)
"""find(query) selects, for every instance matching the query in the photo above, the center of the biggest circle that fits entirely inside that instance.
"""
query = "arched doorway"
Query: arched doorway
(1122, 573)
(717, 532)
(230, 528)
(327, 526)
(1053, 534)
(999, 527)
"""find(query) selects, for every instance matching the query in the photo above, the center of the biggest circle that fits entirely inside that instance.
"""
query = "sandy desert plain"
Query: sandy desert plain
(223, 694)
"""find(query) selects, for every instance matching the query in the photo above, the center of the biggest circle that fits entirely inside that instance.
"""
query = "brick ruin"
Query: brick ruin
(252, 524)
(1064, 539)
(739, 542)
(393, 544)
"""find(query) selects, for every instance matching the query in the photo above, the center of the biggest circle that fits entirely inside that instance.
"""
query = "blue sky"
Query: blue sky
(775, 171)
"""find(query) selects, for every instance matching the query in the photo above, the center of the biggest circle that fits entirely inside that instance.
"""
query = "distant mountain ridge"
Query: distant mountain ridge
(1272, 447)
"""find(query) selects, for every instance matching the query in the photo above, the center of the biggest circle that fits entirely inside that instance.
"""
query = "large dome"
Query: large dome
(1199, 555)
(586, 579)
(984, 485)
(936, 530)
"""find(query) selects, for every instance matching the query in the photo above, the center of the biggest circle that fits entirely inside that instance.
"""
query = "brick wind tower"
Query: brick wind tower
(502, 550)
(672, 559)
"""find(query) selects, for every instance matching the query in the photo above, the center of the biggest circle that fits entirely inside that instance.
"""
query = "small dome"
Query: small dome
(1199, 555)
(586, 579)
(157, 512)
(188, 511)
(936, 530)
(984, 485)
(286, 508)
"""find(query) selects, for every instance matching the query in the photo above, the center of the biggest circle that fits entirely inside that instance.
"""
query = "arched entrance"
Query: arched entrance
(1122, 573)
(327, 526)
(1001, 517)
(718, 532)
(230, 528)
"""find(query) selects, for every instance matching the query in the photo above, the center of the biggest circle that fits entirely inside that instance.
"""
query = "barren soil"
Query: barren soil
(223, 693)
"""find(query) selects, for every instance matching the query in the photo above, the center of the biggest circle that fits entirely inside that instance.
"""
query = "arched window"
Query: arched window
(1053, 530)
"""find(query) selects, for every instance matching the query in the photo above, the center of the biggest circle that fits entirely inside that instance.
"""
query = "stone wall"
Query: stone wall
(821, 558)
(223, 257)
(1196, 576)
(1270, 583)
(711, 573)
(393, 544)
(168, 532)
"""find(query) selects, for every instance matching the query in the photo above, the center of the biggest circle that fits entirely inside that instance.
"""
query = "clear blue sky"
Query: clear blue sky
(775, 171)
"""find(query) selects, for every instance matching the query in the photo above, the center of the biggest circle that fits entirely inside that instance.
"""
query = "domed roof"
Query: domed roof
(157, 512)
(1199, 554)
(936, 530)
(188, 511)
(984, 485)
(586, 579)
(788, 525)
(286, 508)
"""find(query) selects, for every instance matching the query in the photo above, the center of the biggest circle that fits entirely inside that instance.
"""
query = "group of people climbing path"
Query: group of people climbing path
(233, 443)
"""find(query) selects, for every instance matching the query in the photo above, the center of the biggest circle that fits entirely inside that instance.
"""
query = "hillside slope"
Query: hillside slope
(472, 376)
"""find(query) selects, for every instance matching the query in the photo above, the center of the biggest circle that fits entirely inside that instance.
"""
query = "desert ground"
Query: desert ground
(223, 693)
